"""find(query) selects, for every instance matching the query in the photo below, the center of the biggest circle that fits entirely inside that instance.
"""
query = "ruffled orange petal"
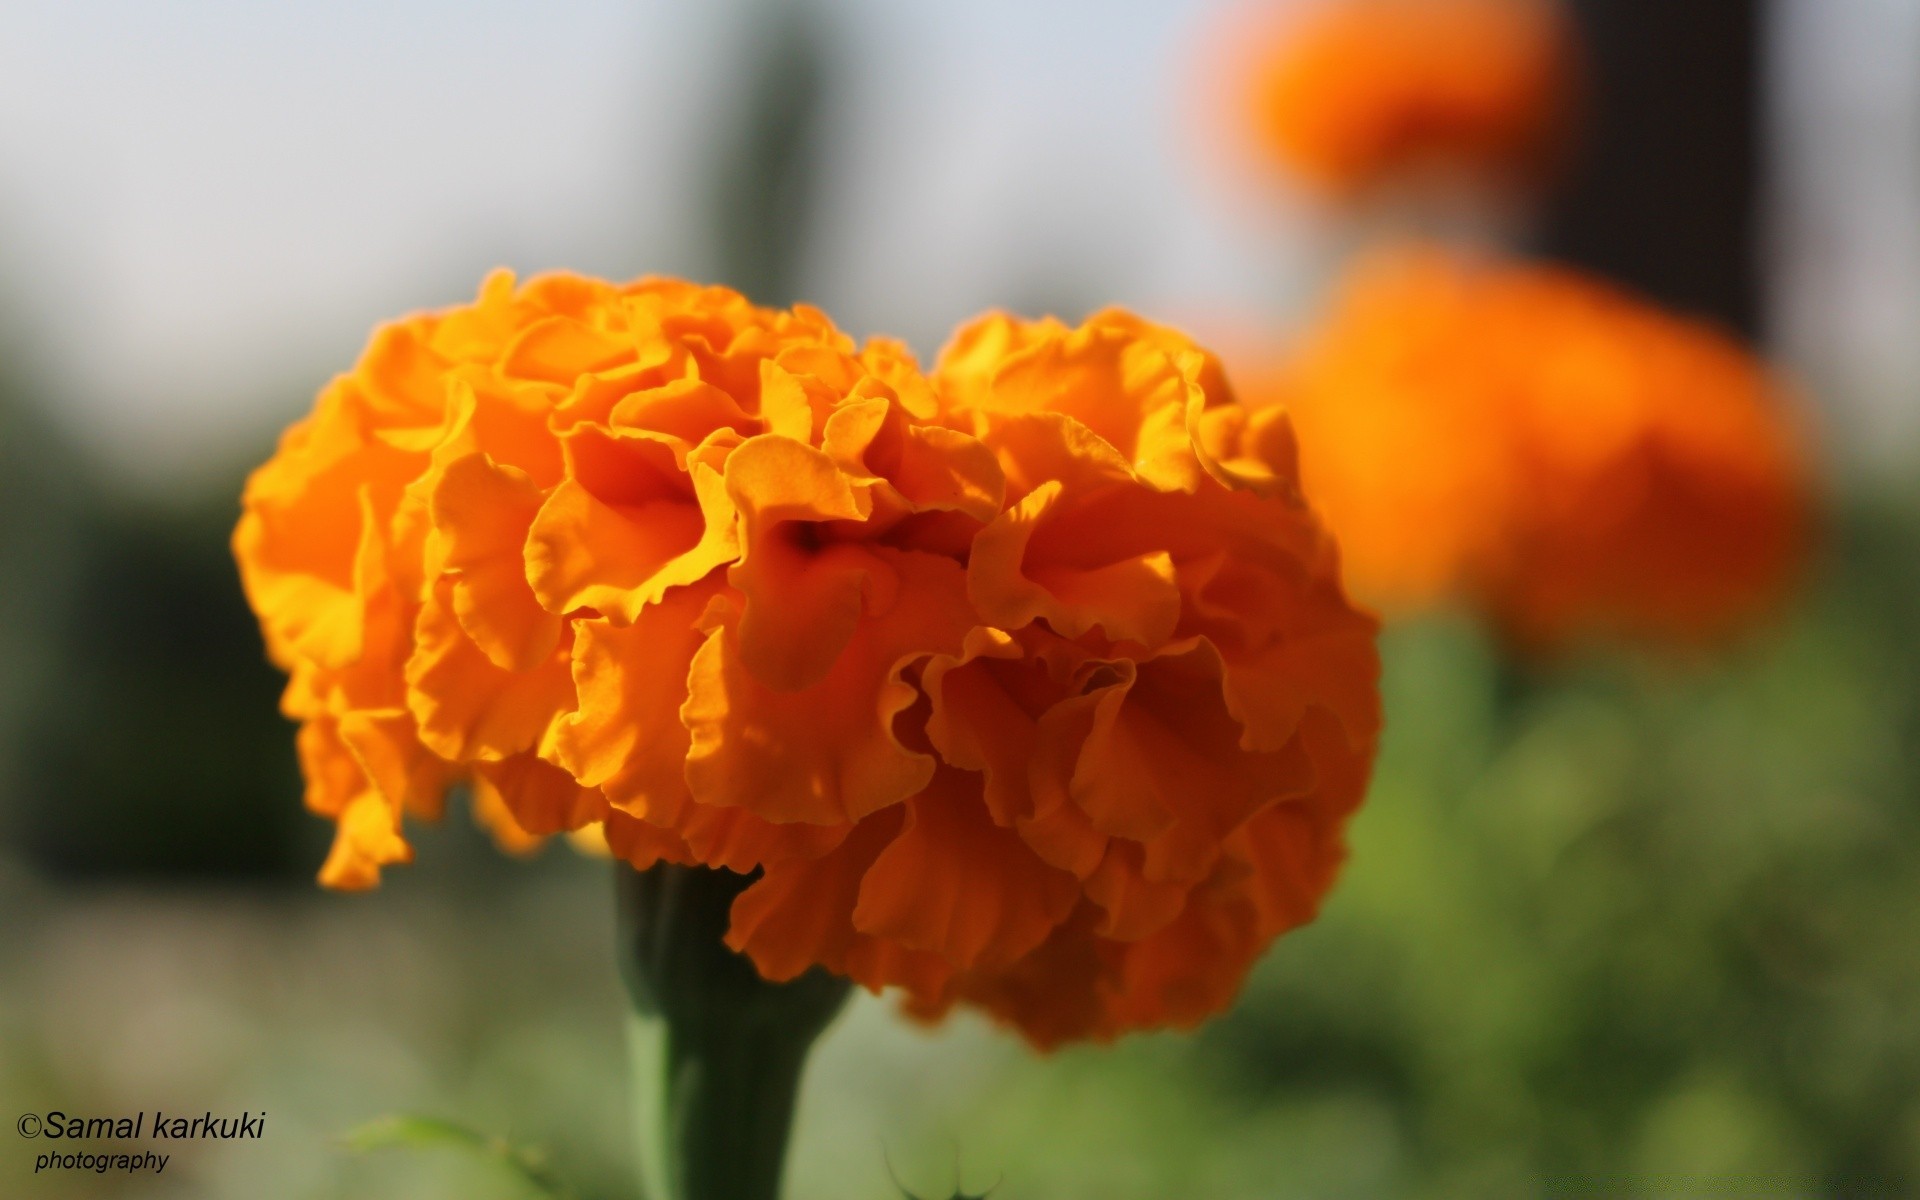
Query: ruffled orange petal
(985, 706)
(1130, 383)
(1060, 992)
(1058, 829)
(928, 467)
(402, 376)
(802, 598)
(734, 839)
(560, 349)
(1163, 763)
(800, 913)
(1130, 599)
(828, 753)
(642, 843)
(1328, 660)
(1191, 968)
(503, 419)
(637, 516)
(366, 839)
(541, 798)
(690, 410)
(625, 736)
(482, 512)
(1246, 450)
(794, 405)
(1077, 373)
(468, 709)
(627, 740)
(1132, 905)
(955, 884)
(310, 536)
(386, 745)
(491, 814)
(334, 777)
(1295, 849)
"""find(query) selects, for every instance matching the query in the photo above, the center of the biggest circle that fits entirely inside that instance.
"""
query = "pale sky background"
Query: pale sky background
(205, 204)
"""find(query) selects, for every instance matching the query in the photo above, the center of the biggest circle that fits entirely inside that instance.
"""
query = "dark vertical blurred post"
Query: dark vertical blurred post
(1665, 194)
(764, 187)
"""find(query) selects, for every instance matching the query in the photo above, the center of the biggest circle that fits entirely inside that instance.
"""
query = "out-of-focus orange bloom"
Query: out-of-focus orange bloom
(1029, 685)
(1350, 94)
(1536, 443)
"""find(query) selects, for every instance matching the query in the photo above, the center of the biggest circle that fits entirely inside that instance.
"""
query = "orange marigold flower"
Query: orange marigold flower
(1144, 752)
(1351, 94)
(1565, 457)
(1030, 684)
(500, 499)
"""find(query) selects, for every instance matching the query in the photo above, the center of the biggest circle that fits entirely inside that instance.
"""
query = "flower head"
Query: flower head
(1567, 458)
(1029, 684)
(1146, 748)
(1357, 93)
(499, 497)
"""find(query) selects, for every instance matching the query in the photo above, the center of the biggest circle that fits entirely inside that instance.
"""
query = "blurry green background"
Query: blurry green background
(1628, 928)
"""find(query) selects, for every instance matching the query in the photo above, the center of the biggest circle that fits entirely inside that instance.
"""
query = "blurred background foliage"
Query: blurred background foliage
(1617, 927)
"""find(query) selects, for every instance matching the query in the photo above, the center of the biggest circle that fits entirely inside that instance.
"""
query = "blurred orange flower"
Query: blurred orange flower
(1350, 94)
(1568, 459)
(1029, 685)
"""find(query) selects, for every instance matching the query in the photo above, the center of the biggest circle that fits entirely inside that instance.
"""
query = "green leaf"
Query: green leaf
(413, 1131)
(957, 1193)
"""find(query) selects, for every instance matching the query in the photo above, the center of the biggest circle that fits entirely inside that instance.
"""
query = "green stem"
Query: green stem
(718, 1051)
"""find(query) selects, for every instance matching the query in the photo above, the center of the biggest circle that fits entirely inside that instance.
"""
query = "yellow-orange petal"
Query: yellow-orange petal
(802, 598)
(642, 843)
(1132, 905)
(1190, 968)
(800, 913)
(504, 419)
(734, 839)
(801, 603)
(491, 814)
(793, 405)
(690, 410)
(467, 708)
(542, 798)
(626, 739)
(482, 512)
(1058, 829)
(1163, 762)
(334, 777)
(828, 753)
(627, 525)
(386, 745)
(1079, 373)
(984, 712)
(402, 376)
(1041, 447)
(366, 839)
(1130, 599)
(1328, 659)
(311, 540)
(955, 884)
(1243, 449)
(560, 349)
(930, 468)
(625, 735)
